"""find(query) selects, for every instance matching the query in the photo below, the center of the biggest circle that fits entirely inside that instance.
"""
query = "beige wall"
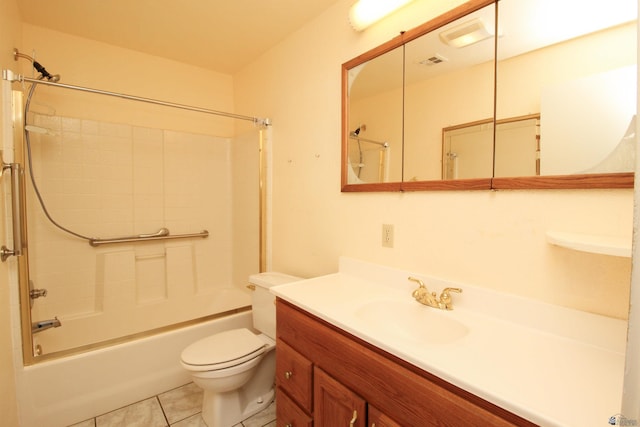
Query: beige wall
(9, 38)
(494, 239)
(84, 62)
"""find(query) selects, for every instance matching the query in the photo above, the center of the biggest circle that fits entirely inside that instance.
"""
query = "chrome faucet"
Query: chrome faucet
(422, 295)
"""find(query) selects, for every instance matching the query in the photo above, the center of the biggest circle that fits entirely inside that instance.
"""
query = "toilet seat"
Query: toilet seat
(223, 350)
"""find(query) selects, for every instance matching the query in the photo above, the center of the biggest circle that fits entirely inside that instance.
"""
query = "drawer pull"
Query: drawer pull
(353, 420)
(288, 375)
(289, 425)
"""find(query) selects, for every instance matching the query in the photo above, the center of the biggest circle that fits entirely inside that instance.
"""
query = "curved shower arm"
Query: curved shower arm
(39, 68)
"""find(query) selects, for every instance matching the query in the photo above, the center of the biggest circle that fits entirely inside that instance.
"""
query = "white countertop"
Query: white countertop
(551, 365)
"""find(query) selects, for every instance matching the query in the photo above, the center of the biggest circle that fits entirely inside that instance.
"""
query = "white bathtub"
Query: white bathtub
(65, 391)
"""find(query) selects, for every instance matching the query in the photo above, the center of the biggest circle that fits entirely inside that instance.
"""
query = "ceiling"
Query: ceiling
(219, 35)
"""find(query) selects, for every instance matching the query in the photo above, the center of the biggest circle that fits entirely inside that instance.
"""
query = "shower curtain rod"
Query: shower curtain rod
(12, 77)
(384, 144)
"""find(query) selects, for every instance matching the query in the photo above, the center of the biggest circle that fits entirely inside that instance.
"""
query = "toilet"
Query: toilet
(236, 368)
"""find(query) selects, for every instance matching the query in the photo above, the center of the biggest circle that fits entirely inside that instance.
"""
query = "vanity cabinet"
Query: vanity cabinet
(337, 373)
(335, 404)
(378, 419)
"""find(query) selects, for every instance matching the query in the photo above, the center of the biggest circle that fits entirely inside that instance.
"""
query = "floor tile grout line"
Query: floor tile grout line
(164, 414)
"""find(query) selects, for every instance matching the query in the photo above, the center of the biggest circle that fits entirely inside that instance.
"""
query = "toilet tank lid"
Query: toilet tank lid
(271, 278)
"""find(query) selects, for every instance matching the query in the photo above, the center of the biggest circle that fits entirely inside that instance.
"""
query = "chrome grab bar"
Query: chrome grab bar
(162, 234)
(164, 231)
(16, 210)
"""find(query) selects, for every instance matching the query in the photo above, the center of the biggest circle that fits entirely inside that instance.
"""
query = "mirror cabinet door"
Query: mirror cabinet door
(449, 80)
(374, 153)
(573, 65)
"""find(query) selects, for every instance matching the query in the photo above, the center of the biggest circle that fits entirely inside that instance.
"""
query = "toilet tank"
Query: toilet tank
(263, 301)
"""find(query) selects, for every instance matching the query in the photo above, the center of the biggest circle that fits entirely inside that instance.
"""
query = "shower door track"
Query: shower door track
(12, 77)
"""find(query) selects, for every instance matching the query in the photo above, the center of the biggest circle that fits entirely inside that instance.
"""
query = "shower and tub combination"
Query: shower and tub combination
(120, 256)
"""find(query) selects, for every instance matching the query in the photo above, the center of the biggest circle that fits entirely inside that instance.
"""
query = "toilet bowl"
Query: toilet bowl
(236, 368)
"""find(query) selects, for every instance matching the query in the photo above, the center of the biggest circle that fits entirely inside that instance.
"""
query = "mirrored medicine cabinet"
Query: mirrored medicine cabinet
(496, 94)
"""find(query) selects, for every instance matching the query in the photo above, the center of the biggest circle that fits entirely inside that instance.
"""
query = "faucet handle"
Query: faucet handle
(421, 291)
(445, 297)
(418, 281)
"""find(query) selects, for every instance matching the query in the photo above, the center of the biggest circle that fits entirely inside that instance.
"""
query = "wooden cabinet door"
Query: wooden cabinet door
(289, 414)
(378, 419)
(334, 404)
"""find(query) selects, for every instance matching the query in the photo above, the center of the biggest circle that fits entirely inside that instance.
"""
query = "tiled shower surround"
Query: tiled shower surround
(109, 180)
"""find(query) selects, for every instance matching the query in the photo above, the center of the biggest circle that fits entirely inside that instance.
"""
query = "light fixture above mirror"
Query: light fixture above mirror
(366, 12)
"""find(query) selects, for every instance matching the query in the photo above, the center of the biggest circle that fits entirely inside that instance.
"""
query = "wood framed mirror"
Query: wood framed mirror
(400, 97)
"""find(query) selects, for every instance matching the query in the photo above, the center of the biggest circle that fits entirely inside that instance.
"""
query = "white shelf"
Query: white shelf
(605, 245)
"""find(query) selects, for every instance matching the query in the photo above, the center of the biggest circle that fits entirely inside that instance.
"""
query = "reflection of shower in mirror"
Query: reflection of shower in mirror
(368, 158)
(451, 168)
(360, 128)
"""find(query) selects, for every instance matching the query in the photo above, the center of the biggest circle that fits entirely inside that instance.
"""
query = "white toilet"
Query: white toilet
(236, 368)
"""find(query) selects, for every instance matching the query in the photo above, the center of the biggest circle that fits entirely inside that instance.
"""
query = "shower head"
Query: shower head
(44, 74)
(361, 128)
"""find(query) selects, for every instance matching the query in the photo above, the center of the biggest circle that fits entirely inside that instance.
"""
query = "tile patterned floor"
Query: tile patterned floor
(179, 407)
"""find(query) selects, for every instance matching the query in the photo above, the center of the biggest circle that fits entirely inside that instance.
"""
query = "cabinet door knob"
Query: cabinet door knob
(288, 375)
(289, 425)
(353, 420)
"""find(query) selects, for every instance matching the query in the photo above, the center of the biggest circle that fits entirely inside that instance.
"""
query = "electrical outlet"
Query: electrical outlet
(387, 235)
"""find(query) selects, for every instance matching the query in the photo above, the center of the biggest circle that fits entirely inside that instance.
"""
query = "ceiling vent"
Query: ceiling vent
(433, 60)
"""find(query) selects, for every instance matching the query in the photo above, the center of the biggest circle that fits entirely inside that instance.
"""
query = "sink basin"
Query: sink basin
(413, 321)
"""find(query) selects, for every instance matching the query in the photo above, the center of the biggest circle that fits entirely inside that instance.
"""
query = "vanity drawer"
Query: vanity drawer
(288, 413)
(294, 375)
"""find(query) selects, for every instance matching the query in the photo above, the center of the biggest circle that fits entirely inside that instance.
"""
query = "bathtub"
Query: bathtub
(65, 391)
